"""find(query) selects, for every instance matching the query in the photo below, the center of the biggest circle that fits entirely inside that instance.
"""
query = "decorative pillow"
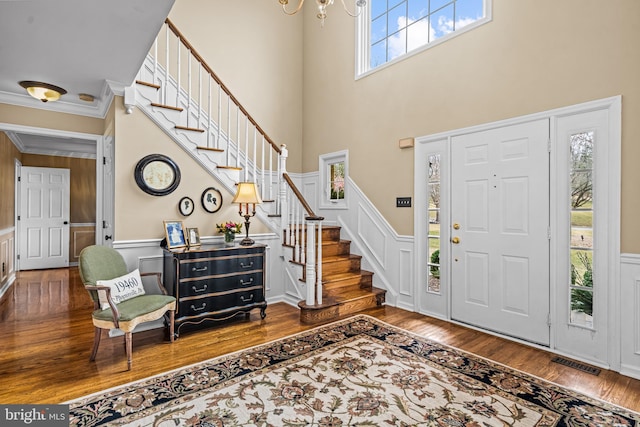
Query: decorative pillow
(122, 288)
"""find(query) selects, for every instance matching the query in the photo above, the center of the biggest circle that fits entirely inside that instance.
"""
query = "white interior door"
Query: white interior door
(44, 218)
(500, 230)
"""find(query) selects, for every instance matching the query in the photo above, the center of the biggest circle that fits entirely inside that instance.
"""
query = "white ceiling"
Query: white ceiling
(84, 46)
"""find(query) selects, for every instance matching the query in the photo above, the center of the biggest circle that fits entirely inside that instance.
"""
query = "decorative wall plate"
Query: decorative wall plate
(157, 174)
(186, 206)
(211, 200)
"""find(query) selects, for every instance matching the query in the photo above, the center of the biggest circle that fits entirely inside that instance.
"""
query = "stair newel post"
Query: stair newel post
(311, 264)
(319, 269)
(282, 169)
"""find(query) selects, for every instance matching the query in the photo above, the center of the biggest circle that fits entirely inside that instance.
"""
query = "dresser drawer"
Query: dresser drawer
(220, 283)
(220, 303)
(203, 267)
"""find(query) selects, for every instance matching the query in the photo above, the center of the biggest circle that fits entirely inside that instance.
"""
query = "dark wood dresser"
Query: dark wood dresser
(214, 282)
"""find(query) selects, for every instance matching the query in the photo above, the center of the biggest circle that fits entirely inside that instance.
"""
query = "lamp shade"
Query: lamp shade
(43, 91)
(247, 193)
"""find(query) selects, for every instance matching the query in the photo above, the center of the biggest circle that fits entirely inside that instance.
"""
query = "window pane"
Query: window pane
(336, 174)
(442, 22)
(468, 10)
(379, 29)
(378, 53)
(433, 226)
(398, 18)
(378, 7)
(418, 9)
(397, 45)
(438, 4)
(418, 34)
(581, 243)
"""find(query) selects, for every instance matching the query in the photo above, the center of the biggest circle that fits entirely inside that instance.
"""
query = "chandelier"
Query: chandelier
(322, 8)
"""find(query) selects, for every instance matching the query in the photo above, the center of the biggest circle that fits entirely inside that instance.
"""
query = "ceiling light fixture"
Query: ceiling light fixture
(322, 8)
(43, 91)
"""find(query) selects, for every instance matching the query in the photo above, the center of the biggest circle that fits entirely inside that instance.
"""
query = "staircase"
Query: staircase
(209, 123)
(346, 288)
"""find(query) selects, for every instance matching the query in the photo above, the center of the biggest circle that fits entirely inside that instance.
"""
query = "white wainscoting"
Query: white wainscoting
(630, 314)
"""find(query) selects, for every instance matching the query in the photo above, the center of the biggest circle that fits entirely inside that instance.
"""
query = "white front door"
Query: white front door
(44, 218)
(499, 230)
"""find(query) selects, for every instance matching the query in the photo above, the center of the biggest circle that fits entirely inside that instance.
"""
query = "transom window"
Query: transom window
(391, 29)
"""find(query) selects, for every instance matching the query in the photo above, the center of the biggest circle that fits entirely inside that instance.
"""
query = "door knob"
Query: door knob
(456, 226)
(455, 240)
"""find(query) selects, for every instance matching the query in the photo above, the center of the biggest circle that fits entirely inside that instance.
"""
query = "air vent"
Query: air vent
(576, 365)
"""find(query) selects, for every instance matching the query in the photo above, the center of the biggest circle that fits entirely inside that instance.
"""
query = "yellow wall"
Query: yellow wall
(534, 56)
(256, 51)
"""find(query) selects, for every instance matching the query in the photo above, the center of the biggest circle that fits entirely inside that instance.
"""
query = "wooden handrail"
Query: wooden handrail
(311, 216)
(213, 75)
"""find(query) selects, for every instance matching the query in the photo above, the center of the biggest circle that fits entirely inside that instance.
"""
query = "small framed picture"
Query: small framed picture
(174, 232)
(185, 206)
(193, 236)
(211, 200)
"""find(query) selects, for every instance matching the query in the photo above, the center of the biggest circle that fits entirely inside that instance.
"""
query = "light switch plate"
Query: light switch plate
(403, 202)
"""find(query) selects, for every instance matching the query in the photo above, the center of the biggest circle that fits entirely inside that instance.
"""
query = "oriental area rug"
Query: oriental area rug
(355, 372)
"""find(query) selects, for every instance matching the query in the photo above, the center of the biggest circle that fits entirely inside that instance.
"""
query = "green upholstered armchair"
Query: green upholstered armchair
(104, 263)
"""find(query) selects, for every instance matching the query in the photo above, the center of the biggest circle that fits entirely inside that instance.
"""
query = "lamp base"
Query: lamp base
(247, 241)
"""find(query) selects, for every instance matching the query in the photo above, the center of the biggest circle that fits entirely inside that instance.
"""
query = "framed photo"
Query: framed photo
(211, 200)
(157, 174)
(193, 236)
(185, 206)
(174, 232)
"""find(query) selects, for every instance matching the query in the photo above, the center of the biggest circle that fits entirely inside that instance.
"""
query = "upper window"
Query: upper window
(391, 29)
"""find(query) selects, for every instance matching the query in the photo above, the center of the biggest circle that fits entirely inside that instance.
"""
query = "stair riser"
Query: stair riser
(340, 266)
(360, 304)
(339, 248)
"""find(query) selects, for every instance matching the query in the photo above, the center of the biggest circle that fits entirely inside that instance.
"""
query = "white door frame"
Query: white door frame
(438, 305)
(99, 140)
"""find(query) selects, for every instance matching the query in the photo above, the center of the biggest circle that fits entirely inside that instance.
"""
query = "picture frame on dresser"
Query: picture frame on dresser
(174, 233)
(193, 236)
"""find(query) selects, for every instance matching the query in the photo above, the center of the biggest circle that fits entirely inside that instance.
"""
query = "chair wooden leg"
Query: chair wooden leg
(127, 339)
(97, 334)
(171, 324)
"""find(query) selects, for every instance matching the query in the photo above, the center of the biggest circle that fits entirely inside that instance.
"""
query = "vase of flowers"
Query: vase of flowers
(229, 229)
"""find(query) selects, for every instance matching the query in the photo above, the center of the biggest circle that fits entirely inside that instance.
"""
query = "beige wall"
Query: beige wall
(139, 215)
(256, 51)
(535, 55)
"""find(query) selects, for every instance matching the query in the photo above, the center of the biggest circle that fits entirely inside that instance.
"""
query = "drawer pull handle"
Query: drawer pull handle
(242, 282)
(246, 299)
(194, 308)
(243, 265)
(199, 268)
(204, 288)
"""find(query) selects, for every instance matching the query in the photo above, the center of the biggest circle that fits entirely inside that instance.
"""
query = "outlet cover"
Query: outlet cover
(403, 202)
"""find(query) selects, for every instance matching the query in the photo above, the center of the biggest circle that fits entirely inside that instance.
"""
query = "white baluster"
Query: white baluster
(209, 115)
(178, 71)
(237, 136)
(228, 131)
(246, 149)
(219, 115)
(166, 69)
(189, 87)
(262, 189)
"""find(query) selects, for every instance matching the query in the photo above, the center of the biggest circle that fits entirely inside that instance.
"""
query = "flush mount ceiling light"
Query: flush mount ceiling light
(42, 91)
(322, 8)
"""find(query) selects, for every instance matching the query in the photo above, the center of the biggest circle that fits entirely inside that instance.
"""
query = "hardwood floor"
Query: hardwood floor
(46, 336)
